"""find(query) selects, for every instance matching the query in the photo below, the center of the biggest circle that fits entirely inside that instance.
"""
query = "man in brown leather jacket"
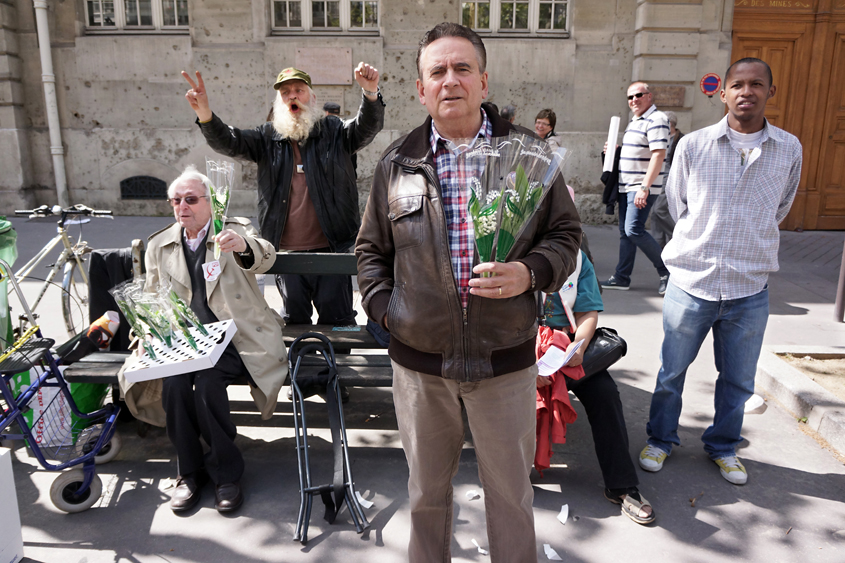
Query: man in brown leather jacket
(457, 337)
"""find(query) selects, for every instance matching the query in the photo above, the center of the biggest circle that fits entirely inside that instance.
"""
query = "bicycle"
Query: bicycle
(70, 263)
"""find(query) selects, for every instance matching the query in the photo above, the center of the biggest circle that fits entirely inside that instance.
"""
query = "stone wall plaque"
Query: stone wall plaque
(668, 96)
(789, 5)
(330, 95)
(326, 65)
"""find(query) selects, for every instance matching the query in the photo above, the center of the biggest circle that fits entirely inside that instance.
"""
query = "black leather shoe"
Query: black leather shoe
(229, 497)
(187, 493)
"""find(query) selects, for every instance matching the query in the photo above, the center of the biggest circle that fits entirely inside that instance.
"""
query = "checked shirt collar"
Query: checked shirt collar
(455, 196)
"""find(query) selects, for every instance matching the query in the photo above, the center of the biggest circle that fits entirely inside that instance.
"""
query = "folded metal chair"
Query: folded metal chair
(342, 487)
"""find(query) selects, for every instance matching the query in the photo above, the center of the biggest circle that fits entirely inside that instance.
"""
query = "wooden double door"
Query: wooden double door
(804, 43)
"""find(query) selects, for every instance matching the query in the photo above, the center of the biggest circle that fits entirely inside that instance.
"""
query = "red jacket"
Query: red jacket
(553, 407)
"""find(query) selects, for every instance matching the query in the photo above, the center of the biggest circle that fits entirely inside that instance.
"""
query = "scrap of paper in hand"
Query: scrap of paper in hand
(555, 358)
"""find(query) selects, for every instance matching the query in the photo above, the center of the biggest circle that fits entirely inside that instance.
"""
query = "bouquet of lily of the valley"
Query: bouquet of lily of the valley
(151, 311)
(180, 314)
(127, 307)
(222, 175)
(508, 178)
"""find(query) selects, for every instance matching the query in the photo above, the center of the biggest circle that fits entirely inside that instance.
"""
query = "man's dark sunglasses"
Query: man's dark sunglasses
(190, 200)
(637, 95)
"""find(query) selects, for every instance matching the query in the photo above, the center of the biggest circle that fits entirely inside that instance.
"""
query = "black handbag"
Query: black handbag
(604, 350)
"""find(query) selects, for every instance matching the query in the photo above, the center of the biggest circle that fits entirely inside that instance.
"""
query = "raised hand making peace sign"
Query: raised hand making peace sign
(198, 97)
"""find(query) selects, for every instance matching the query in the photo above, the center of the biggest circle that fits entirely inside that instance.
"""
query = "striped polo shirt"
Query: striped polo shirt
(647, 133)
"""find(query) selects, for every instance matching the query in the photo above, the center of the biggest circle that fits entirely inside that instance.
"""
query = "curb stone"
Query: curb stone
(800, 395)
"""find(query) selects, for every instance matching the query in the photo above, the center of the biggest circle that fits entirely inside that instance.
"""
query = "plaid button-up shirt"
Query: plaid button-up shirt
(455, 196)
(726, 238)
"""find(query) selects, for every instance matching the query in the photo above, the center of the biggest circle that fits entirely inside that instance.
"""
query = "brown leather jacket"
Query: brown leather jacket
(405, 270)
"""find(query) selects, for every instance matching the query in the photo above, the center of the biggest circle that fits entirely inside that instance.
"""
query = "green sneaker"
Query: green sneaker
(732, 469)
(652, 458)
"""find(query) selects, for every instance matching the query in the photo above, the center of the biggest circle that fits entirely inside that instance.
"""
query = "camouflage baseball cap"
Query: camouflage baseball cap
(292, 74)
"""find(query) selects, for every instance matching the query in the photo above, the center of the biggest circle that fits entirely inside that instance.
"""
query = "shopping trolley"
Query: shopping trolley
(57, 432)
(342, 488)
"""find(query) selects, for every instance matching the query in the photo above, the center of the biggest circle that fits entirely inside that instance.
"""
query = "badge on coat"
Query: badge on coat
(211, 270)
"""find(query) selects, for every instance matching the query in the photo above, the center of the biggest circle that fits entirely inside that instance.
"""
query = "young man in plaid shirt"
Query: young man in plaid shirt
(457, 338)
(730, 186)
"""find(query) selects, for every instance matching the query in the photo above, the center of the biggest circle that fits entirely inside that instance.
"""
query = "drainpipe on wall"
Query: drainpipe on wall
(49, 79)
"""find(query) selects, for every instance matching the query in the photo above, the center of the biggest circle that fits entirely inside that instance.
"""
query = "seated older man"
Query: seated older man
(196, 405)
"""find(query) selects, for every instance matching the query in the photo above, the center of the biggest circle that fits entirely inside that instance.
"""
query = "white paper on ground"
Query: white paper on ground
(551, 553)
(472, 494)
(555, 358)
(551, 487)
(362, 501)
(564, 514)
(481, 550)
(755, 405)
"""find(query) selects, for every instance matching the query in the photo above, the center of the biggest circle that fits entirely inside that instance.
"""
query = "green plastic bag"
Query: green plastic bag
(8, 253)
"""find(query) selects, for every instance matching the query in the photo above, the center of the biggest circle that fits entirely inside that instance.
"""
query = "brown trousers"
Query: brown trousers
(502, 415)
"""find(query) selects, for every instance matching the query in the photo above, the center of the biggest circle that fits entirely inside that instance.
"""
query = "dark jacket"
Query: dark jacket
(610, 195)
(670, 154)
(326, 158)
(405, 270)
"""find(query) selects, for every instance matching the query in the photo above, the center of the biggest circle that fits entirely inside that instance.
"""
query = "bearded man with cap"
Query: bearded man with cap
(307, 190)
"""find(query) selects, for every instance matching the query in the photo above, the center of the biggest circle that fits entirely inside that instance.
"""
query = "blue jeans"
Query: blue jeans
(738, 326)
(632, 234)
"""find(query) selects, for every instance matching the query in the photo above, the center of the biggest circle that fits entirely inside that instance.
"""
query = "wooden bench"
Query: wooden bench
(354, 370)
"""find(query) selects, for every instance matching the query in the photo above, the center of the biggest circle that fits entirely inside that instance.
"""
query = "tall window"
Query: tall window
(136, 15)
(534, 17)
(325, 15)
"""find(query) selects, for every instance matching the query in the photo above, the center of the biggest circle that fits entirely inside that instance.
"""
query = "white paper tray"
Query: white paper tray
(181, 358)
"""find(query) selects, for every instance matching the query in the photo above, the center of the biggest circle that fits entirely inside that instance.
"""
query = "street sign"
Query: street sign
(710, 84)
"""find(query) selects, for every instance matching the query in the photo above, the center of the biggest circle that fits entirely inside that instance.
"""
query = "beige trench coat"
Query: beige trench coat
(234, 295)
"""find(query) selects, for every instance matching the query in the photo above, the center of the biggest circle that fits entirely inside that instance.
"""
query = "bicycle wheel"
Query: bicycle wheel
(74, 299)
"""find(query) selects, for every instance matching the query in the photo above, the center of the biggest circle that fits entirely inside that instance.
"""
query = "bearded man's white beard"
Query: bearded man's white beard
(295, 127)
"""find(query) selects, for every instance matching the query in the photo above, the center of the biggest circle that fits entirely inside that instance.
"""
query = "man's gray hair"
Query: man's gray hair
(671, 117)
(449, 29)
(509, 112)
(190, 173)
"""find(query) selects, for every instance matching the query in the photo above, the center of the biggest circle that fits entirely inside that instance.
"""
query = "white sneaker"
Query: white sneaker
(652, 458)
(732, 469)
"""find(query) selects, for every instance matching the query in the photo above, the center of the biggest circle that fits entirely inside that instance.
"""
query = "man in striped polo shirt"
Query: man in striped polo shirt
(641, 175)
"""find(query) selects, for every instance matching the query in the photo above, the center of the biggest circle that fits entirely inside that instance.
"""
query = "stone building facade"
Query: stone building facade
(126, 126)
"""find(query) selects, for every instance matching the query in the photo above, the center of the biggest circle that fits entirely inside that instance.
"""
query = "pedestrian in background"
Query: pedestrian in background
(509, 113)
(641, 174)
(662, 223)
(544, 127)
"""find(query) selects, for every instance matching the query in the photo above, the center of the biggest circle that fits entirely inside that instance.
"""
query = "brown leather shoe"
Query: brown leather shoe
(187, 493)
(229, 497)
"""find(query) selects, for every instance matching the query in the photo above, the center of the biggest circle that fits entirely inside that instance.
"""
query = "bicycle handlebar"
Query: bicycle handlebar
(78, 209)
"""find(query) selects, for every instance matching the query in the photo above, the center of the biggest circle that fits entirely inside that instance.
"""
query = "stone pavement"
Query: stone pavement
(791, 509)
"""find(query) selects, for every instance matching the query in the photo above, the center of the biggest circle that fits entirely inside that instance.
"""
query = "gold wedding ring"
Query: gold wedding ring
(500, 291)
